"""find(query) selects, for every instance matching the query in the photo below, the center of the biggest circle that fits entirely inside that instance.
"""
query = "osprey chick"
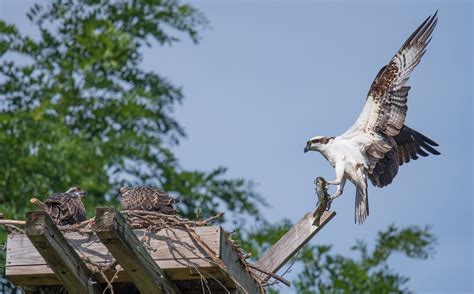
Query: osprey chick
(379, 141)
(146, 198)
(64, 208)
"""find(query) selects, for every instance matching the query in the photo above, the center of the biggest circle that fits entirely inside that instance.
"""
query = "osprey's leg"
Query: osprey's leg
(339, 173)
(340, 189)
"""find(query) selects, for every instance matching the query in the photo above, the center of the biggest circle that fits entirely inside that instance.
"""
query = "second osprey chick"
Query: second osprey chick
(148, 199)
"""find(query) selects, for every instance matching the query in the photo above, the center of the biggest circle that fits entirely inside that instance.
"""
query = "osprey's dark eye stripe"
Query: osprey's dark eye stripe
(314, 141)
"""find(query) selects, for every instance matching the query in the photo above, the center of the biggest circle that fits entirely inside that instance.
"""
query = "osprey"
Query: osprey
(379, 141)
(146, 198)
(64, 208)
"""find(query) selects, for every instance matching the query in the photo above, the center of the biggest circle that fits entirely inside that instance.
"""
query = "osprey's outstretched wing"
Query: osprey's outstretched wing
(386, 105)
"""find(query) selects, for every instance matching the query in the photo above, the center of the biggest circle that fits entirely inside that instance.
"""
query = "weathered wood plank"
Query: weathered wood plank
(26, 267)
(59, 255)
(236, 268)
(116, 235)
(300, 234)
(20, 251)
(36, 275)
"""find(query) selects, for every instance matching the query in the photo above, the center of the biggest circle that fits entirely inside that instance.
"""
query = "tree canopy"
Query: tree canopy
(77, 108)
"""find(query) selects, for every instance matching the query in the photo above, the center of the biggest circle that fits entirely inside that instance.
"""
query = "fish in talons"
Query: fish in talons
(324, 200)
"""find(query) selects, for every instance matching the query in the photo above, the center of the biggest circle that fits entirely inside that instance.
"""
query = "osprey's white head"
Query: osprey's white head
(315, 143)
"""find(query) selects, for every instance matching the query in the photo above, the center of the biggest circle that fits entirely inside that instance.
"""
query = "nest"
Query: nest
(151, 221)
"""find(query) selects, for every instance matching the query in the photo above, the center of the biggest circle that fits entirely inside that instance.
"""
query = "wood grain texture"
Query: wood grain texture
(237, 268)
(300, 234)
(26, 267)
(59, 255)
(123, 244)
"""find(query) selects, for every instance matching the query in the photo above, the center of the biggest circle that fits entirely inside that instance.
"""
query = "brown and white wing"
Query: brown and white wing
(74, 210)
(147, 198)
(409, 145)
(162, 201)
(65, 209)
(136, 199)
(386, 105)
(51, 206)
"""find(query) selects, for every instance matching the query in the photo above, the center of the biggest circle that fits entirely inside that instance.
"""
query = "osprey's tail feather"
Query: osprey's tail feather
(361, 205)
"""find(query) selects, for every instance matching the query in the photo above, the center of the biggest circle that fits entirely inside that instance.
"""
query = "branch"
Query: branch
(4, 222)
(275, 276)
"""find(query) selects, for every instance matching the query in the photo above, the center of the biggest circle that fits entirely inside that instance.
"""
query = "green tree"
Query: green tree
(323, 272)
(76, 108)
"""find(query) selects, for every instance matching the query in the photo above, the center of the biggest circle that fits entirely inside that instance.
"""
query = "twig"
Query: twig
(275, 276)
(205, 222)
(12, 222)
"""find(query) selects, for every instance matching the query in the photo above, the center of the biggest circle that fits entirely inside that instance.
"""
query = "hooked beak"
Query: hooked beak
(83, 194)
(306, 149)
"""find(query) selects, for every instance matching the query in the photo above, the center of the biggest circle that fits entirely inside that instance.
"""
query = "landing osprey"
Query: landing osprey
(379, 141)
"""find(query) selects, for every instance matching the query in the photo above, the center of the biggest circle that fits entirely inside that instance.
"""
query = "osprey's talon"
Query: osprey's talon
(332, 197)
(328, 206)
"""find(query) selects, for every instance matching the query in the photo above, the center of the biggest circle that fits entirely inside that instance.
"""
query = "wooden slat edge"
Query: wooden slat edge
(285, 248)
(129, 252)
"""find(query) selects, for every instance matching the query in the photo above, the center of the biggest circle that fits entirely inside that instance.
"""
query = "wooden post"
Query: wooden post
(128, 251)
(291, 243)
(59, 255)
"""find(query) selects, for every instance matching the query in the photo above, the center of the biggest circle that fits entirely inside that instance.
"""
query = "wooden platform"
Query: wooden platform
(173, 250)
(180, 258)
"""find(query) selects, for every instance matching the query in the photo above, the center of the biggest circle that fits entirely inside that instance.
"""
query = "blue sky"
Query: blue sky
(269, 75)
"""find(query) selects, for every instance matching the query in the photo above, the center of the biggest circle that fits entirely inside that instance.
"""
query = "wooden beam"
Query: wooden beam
(235, 267)
(129, 252)
(59, 255)
(300, 234)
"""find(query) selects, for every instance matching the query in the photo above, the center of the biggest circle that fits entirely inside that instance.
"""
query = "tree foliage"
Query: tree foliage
(77, 108)
(324, 272)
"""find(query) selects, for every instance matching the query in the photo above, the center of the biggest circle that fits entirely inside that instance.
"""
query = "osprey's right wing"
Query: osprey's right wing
(386, 105)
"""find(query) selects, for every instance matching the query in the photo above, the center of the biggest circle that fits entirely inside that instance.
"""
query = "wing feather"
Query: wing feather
(65, 208)
(148, 199)
(386, 105)
(408, 145)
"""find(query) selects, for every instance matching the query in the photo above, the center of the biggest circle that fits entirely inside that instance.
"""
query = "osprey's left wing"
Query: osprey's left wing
(386, 105)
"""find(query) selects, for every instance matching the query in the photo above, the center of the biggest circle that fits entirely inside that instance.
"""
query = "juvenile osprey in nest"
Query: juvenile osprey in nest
(64, 208)
(146, 198)
(379, 141)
